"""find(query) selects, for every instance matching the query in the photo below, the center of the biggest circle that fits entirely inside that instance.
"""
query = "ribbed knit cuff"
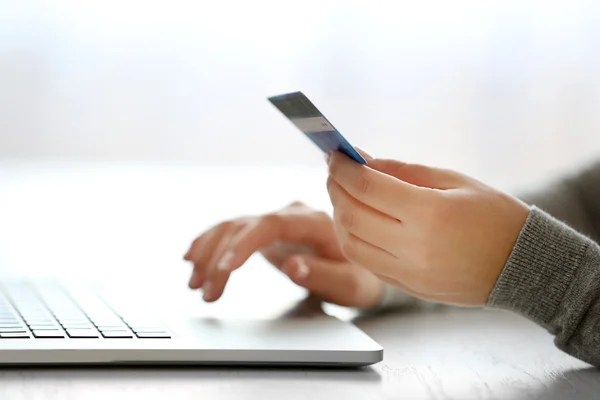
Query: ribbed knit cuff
(540, 268)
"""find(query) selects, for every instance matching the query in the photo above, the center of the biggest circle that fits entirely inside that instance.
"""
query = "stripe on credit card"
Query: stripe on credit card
(313, 124)
(308, 119)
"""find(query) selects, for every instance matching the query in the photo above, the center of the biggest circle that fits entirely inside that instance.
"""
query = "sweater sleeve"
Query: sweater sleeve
(552, 277)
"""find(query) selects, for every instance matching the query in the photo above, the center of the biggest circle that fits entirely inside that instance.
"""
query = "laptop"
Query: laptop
(55, 323)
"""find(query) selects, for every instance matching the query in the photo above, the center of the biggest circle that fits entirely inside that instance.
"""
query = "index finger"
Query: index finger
(261, 233)
(251, 239)
(375, 189)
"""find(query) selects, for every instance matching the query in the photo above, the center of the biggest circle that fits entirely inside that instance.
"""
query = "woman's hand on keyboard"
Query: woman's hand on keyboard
(298, 240)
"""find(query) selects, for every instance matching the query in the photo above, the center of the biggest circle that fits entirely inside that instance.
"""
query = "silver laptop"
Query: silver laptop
(47, 323)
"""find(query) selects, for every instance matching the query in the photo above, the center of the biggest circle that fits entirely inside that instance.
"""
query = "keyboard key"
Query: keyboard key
(71, 320)
(33, 311)
(105, 322)
(43, 334)
(113, 328)
(78, 325)
(153, 335)
(39, 317)
(82, 333)
(7, 330)
(11, 326)
(36, 321)
(141, 321)
(44, 327)
(9, 320)
(35, 314)
(147, 326)
(148, 330)
(109, 323)
(117, 334)
(14, 335)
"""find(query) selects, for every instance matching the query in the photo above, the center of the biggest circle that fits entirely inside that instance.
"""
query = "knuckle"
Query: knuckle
(395, 167)
(273, 218)
(346, 218)
(230, 226)
(362, 183)
(241, 222)
(197, 241)
(296, 204)
(225, 225)
(348, 249)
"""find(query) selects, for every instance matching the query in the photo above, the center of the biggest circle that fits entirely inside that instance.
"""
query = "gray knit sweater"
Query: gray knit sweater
(552, 276)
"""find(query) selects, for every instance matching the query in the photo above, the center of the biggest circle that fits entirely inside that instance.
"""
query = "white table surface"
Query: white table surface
(130, 224)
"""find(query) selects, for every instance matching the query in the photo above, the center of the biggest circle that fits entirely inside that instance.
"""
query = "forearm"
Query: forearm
(553, 278)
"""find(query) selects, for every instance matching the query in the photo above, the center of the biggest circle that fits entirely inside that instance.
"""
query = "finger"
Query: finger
(365, 154)
(364, 222)
(419, 175)
(377, 190)
(216, 275)
(281, 227)
(366, 255)
(333, 281)
(239, 248)
(201, 252)
(234, 250)
(278, 252)
(196, 246)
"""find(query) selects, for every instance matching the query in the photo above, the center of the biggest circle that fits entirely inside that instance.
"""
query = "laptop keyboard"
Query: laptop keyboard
(30, 311)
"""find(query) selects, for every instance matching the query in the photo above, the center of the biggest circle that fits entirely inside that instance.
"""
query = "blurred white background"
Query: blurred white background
(508, 91)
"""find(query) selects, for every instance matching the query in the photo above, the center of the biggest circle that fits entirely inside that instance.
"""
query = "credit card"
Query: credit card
(302, 113)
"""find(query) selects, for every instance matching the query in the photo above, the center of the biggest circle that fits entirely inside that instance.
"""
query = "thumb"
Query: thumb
(419, 175)
(336, 282)
(364, 153)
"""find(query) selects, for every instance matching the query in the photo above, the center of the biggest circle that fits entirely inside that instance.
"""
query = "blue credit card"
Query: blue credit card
(302, 113)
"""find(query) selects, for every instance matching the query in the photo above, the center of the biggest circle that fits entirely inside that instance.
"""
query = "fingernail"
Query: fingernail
(225, 261)
(207, 289)
(303, 270)
(327, 157)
